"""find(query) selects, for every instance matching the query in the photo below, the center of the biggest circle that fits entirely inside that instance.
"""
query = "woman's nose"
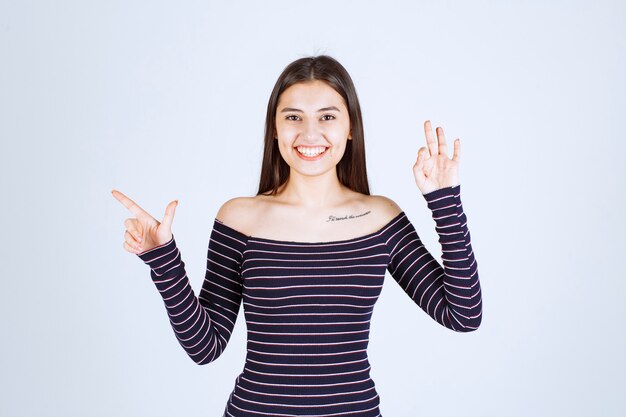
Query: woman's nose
(311, 130)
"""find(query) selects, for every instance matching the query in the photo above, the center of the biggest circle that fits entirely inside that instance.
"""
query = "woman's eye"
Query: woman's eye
(292, 117)
(328, 117)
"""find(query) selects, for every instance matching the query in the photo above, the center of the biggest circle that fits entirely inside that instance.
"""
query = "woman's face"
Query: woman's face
(312, 127)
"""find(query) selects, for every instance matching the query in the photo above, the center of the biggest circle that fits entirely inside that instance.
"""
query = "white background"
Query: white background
(166, 100)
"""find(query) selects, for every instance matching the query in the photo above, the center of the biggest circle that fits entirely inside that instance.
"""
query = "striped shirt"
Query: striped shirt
(308, 307)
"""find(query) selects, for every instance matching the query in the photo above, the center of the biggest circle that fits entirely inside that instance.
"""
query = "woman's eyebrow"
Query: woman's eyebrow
(288, 109)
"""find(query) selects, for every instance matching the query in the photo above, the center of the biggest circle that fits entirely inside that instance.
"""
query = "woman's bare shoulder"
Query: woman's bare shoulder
(385, 206)
(239, 213)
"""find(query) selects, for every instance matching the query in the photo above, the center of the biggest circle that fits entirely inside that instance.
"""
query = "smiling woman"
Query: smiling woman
(316, 94)
(309, 132)
(307, 256)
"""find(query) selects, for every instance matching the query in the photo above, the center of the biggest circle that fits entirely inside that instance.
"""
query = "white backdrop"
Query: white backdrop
(166, 100)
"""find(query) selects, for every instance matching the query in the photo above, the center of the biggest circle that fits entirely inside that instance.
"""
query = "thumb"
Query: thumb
(169, 214)
(418, 167)
(419, 162)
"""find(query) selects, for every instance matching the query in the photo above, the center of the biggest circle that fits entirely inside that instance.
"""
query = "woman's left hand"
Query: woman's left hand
(433, 169)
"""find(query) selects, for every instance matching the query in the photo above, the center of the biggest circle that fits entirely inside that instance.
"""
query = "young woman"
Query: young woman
(308, 255)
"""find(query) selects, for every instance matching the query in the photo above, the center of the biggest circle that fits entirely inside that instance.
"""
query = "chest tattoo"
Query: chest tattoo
(332, 218)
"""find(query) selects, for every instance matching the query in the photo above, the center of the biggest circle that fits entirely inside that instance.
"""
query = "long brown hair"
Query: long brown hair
(351, 170)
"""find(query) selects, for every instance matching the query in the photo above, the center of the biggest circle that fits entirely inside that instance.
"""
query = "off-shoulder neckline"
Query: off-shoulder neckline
(303, 243)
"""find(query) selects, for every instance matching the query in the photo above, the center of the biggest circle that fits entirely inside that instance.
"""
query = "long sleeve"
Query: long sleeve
(451, 294)
(202, 325)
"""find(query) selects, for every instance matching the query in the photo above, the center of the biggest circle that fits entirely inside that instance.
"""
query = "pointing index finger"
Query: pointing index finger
(129, 204)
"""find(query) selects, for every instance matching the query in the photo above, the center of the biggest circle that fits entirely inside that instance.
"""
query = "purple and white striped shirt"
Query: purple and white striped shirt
(308, 306)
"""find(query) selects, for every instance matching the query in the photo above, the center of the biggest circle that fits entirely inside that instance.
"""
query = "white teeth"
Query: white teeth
(311, 151)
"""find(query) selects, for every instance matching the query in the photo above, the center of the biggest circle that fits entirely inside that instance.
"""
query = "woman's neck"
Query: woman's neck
(312, 192)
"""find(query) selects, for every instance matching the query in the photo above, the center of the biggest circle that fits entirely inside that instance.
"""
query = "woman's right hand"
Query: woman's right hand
(144, 232)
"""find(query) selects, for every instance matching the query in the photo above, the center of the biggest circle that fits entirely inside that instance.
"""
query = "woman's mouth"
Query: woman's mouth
(311, 153)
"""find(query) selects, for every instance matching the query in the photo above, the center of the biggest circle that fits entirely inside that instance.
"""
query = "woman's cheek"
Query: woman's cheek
(290, 132)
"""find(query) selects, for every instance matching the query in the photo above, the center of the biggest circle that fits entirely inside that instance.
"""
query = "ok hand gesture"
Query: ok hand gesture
(144, 232)
(433, 169)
